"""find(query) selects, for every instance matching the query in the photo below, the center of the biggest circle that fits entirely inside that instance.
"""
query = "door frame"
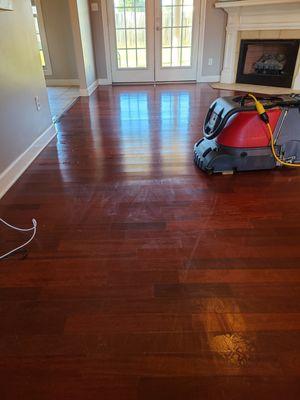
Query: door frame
(107, 46)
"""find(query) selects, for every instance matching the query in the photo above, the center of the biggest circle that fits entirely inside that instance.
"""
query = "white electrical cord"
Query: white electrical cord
(33, 229)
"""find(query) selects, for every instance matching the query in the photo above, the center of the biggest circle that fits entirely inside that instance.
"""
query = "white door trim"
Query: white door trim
(201, 39)
(107, 48)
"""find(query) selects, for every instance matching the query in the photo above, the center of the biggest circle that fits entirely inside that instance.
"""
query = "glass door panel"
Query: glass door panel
(177, 26)
(176, 39)
(132, 41)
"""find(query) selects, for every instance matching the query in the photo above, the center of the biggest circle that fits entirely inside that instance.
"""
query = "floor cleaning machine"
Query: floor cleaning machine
(246, 133)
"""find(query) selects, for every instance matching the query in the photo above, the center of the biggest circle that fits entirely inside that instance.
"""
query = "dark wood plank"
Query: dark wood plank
(148, 279)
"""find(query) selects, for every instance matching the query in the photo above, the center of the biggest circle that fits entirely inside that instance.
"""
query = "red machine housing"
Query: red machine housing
(246, 130)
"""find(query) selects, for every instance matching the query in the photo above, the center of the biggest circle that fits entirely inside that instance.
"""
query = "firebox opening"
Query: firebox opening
(267, 62)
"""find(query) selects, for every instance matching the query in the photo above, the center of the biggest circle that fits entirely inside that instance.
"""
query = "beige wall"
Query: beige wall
(214, 39)
(60, 41)
(21, 79)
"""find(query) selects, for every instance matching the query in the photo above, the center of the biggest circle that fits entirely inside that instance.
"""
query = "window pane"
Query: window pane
(166, 16)
(166, 57)
(141, 58)
(36, 25)
(187, 17)
(176, 56)
(131, 55)
(141, 38)
(38, 37)
(176, 37)
(129, 3)
(130, 18)
(177, 16)
(131, 44)
(122, 59)
(166, 37)
(42, 57)
(140, 18)
(187, 37)
(167, 2)
(120, 19)
(121, 39)
(119, 3)
(186, 57)
(39, 40)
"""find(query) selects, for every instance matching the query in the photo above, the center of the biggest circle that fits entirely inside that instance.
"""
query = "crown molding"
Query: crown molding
(249, 3)
(6, 5)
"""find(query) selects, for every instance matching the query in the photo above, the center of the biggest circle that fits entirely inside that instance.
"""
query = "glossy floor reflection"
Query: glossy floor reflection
(149, 279)
(61, 99)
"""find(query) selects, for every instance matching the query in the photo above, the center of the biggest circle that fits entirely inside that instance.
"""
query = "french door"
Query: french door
(153, 40)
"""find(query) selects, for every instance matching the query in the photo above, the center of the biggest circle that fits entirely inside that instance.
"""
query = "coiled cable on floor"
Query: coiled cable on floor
(33, 230)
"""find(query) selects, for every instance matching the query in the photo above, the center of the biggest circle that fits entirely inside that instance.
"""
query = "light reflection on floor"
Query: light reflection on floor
(235, 349)
(140, 141)
(151, 131)
(135, 131)
(175, 120)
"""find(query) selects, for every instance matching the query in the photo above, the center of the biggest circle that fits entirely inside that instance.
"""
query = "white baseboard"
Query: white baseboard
(210, 78)
(12, 173)
(104, 82)
(88, 91)
(62, 82)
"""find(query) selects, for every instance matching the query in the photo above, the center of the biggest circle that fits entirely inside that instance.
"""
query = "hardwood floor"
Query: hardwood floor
(149, 279)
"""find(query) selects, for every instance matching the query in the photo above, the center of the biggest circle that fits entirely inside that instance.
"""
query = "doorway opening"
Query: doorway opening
(56, 49)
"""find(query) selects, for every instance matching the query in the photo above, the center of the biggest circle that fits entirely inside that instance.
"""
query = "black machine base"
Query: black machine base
(214, 158)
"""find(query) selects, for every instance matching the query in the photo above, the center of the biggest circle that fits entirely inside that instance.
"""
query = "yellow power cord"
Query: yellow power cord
(264, 117)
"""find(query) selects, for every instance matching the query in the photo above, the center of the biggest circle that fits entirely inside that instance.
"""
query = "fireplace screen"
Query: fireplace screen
(267, 62)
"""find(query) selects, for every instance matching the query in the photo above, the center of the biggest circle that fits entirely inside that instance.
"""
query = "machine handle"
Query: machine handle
(212, 132)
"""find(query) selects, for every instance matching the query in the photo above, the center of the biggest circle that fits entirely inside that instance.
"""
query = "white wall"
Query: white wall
(21, 79)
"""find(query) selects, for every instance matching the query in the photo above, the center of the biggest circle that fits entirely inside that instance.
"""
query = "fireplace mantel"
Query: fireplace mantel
(256, 3)
(256, 15)
(6, 5)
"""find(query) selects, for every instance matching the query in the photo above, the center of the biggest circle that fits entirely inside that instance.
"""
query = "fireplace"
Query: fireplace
(268, 62)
